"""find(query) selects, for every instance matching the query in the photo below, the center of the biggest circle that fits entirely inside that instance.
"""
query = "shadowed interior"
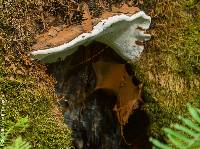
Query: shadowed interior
(88, 111)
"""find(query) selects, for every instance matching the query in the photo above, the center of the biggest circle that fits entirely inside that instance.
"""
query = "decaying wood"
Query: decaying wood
(113, 76)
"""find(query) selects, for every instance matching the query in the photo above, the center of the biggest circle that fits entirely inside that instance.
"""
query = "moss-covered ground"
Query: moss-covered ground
(24, 85)
(32, 96)
(169, 66)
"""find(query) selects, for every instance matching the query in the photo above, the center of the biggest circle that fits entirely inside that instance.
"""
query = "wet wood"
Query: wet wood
(92, 68)
(113, 76)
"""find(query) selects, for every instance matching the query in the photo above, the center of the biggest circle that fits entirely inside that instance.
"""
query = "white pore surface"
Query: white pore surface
(119, 32)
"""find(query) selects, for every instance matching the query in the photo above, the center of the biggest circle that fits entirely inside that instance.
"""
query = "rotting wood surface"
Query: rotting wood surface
(92, 71)
(113, 76)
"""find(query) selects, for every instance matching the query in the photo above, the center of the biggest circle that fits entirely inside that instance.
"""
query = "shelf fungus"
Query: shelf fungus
(121, 32)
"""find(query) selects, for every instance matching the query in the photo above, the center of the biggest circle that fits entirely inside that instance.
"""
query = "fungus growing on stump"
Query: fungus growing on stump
(121, 32)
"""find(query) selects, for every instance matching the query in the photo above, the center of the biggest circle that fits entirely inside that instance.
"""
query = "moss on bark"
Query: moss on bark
(32, 95)
(170, 65)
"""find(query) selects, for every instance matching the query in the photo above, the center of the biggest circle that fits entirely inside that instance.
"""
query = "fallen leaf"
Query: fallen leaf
(113, 76)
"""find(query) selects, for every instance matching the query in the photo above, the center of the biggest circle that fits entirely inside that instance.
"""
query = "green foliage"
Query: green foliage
(186, 135)
(21, 125)
(19, 144)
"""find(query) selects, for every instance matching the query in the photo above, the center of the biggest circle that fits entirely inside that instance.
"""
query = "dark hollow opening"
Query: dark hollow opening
(90, 113)
(135, 131)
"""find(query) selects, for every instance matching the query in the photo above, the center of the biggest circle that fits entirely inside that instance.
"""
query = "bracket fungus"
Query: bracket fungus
(120, 32)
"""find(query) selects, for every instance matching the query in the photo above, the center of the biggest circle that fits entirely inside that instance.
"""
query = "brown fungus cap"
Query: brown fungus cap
(59, 35)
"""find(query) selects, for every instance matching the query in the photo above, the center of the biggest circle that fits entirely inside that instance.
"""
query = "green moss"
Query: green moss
(170, 64)
(24, 84)
(25, 98)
